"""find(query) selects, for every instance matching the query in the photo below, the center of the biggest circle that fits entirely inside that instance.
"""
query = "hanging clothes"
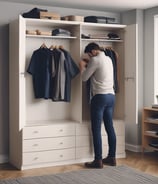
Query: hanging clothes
(58, 80)
(114, 57)
(39, 68)
(71, 71)
(52, 72)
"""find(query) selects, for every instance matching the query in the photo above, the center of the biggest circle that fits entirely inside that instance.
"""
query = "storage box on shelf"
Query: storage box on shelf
(150, 129)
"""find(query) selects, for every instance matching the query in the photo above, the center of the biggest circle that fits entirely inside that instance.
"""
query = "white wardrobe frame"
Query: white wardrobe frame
(61, 130)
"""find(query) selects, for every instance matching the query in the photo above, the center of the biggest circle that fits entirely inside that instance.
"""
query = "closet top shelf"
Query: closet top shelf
(34, 22)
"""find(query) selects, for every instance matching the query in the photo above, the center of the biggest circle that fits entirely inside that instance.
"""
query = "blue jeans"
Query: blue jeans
(102, 106)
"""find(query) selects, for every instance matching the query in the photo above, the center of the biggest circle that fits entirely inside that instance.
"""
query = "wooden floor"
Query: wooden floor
(147, 162)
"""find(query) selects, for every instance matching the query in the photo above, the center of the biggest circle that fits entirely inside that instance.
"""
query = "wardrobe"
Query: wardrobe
(47, 133)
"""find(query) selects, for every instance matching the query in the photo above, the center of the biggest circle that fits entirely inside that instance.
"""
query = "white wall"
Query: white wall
(9, 12)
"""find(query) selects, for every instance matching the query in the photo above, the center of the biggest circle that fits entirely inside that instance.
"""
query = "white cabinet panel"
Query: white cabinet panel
(119, 150)
(118, 126)
(84, 152)
(48, 144)
(83, 129)
(48, 156)
(131, 75)
(82, 141)
(120, 140)
(48, 131)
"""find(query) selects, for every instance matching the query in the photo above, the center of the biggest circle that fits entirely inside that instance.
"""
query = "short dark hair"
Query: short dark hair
(90, 47)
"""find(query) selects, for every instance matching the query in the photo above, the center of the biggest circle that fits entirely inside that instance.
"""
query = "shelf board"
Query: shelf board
(104, 26)
(52, 37)
(150, 109)
(150, 148)
(151, 121)
(48, 22)
(100, 40)
(150, 135)
(48, 122)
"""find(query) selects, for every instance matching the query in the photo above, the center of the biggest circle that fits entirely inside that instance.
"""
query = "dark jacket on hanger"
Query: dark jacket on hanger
(40, 69)
(112, 55)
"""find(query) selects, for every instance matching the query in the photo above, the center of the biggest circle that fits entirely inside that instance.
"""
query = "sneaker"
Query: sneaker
(98, 164)
(109, 161)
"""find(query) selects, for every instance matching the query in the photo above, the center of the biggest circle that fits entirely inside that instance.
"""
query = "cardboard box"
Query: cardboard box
(49, 15)
(73, 18)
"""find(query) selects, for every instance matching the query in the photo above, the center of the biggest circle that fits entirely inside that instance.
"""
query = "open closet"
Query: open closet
(46, 132)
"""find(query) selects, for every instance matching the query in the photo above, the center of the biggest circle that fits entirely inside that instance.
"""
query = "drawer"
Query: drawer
(82, 129)
(48, 131)
(83, 141)
(84, 152)
(120, 149)
(31, 145)
(118, 126)
(120, 140)
(48, 156)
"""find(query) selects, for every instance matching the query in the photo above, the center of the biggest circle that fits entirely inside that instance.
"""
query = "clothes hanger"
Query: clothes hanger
(43, 45)
(51, 47)
(61, 47)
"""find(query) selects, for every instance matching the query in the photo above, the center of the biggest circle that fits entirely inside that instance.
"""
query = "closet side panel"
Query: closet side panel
(77, 82)
(15, 139)
(131, 83)
(120, 95)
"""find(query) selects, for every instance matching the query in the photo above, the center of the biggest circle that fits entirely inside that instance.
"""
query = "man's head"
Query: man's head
(92, 49)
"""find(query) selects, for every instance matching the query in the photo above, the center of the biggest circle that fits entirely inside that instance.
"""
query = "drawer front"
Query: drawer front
(120, 149)
(84, 152)
(82, 141)
(83, 129)
(31, 145)
(118, 126)
(48, 131)
(48, 156)
(120, 140)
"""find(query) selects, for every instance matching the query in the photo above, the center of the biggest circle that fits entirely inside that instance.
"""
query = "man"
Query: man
(99, 70)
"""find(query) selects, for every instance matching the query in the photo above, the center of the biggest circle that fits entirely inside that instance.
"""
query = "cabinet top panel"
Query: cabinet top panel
(30, 21)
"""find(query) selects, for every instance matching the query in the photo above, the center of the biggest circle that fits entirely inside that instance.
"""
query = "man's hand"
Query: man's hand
(82, 65)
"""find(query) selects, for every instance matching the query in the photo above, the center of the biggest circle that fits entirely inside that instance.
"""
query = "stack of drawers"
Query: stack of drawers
(45, 144)
(84, 147)
(64, 143)
(120, 139)
(84, 144)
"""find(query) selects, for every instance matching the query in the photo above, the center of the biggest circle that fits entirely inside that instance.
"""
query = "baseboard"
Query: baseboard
(134, 148)
(4, 159)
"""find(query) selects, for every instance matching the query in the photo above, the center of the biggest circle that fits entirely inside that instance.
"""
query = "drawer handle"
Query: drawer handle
(35, 132)
(36, 158)
(61, 143)
(35, 145)
(61, 156)
(61, 130)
